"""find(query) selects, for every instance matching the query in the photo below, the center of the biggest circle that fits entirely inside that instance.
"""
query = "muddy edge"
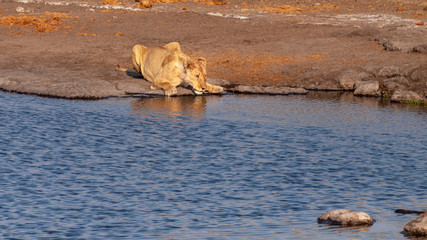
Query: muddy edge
(71, 49)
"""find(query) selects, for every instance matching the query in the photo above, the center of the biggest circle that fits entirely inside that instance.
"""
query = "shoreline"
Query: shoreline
(263, 48)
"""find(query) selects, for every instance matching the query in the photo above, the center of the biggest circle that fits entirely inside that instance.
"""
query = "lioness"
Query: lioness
(168, 67)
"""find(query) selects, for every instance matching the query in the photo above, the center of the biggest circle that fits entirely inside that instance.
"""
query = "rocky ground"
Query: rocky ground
(71, 48)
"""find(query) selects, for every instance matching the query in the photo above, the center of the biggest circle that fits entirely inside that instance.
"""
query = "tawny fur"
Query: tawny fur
(168, 67)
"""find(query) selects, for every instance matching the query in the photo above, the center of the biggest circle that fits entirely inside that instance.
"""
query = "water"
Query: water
(230, 167)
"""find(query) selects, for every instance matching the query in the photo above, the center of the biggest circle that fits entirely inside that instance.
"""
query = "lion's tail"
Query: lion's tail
(118, 68)
(138, 53)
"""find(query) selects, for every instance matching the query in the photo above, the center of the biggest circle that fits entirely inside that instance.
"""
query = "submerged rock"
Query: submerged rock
(417, 227)
(406, 211)
(346, 217)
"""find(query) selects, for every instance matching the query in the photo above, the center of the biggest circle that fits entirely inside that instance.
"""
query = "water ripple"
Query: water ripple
(231, 167)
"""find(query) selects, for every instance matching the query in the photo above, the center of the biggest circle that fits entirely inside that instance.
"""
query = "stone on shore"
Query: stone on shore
(267, 90)
(395, 83)
(406, 96)
(417, 227)
(76, 87)
(348, 79)
(346, 217)
(370, 88)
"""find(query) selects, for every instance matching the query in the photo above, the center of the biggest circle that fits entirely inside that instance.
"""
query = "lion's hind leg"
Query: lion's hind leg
(174, 46)
(138, 53)
(167, 87)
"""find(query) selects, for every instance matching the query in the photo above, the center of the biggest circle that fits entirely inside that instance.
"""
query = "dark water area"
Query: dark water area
(230, 167)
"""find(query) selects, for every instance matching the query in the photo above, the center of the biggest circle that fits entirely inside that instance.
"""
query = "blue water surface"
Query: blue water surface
(230, 167)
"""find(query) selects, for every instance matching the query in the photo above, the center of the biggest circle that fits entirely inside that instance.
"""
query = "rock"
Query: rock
(421, 48)
(420, 74)
(394, 84)
(403, 96)
(396, 45)
(371, 88)
(268, 90)
(139, 86)
(20, 10)
(405, 40)
(389, 71)
(417, 227)
(346, 217)
(142, 87)
(348, 79)
(23, 10)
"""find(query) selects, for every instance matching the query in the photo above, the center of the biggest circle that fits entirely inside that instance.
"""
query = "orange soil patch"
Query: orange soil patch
(288, 9)
(316, 56)
(46, 23)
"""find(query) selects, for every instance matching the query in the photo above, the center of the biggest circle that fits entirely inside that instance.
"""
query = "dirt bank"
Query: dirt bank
(71, 49)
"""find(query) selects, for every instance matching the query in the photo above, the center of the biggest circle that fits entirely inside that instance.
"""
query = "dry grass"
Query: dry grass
(168, 1)
(149, 3)
(211, 2)
(145, 4)
(112, 2)
(284, 9)
(46, 23)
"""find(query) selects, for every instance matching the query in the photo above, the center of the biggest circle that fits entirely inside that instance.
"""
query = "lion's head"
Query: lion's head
(196, 75)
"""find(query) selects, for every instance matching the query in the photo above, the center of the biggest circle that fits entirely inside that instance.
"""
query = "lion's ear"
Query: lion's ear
(190, 65)
(202, 60)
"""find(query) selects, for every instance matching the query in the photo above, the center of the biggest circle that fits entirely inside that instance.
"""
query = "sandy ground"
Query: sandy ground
(71, 48)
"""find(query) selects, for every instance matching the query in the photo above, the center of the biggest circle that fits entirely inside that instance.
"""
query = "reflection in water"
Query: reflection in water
(336, 228)
(174, 106)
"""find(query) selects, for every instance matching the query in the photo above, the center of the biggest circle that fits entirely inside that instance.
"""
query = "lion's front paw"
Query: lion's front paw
(171, 92)
(216, 89)
(219, 89)
(152, 87)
